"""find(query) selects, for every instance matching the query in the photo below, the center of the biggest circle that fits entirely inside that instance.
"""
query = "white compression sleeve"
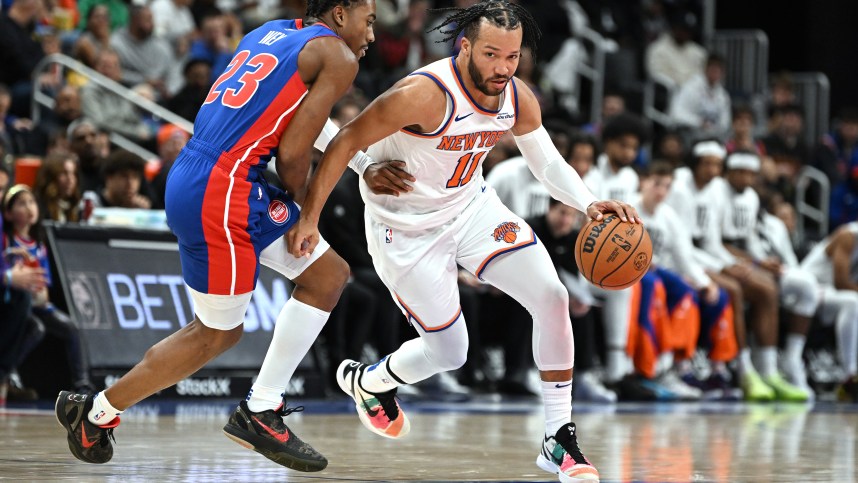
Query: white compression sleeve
(358, 163)
(549, 167)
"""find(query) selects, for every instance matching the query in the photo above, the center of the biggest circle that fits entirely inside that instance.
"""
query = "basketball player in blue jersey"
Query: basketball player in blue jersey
(273, 99)
(442, 120)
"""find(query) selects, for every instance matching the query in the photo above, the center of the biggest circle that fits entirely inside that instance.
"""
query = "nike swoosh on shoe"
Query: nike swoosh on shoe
(282, 437)
(84, 440)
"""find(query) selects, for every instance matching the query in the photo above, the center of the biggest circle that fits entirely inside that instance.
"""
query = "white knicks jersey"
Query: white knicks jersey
(608, 184)
(819, 264)
(447, 162)
(740, 216)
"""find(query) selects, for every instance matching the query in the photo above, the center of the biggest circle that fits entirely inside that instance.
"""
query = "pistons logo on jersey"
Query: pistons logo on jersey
(506, 231)
(278, 212)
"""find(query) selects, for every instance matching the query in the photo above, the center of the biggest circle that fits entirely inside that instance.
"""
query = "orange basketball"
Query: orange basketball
(613, 254)
(509, 237)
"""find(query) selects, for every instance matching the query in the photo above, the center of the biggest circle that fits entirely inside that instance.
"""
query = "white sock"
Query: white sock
(557, 402)
(768, 360)
(378, 377)
(102, 412)
(794, 349)
(665, 362)
(616, 364)
(296, 329)
(746, 366)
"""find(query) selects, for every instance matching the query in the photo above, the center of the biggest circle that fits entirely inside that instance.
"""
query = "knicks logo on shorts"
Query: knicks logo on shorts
(506, 231)
(278, 212)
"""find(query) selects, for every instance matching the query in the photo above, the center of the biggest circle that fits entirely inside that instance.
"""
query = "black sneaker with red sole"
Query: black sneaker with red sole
(267, 434)
(87, 442)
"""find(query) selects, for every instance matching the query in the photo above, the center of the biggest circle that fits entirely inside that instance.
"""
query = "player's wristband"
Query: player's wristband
(360, 162)
(7, 277)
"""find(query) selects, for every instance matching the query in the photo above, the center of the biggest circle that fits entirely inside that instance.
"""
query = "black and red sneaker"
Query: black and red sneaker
(267, 434)
(87, 442)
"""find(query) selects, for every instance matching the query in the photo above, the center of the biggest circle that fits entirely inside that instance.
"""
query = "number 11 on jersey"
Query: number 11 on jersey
(459, 177)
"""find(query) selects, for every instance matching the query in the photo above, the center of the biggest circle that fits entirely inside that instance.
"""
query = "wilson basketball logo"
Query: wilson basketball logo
(506, 231)
(613, 254)
(278, 212)
(590, 241)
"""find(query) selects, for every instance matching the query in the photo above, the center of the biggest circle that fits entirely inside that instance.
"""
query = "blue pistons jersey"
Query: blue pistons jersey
(217, 201)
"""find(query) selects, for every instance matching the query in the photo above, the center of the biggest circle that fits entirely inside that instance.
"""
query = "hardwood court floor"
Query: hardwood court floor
(458, 442)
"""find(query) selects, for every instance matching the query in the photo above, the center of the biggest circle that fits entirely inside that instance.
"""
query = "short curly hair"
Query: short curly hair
(317, 8)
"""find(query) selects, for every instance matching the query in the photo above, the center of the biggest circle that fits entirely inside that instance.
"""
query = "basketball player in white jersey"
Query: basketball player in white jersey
(699, 194)
(799, 292)
(613, 178)
(834, 263)
(442, 120)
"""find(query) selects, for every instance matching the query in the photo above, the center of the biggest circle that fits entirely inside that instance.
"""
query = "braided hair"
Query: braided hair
(317, 8)
(500, 13)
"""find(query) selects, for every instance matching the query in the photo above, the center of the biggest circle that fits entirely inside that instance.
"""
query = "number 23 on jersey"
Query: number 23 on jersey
(252, 71)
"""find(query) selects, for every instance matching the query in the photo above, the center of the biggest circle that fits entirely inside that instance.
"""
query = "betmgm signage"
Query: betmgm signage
(125, 289)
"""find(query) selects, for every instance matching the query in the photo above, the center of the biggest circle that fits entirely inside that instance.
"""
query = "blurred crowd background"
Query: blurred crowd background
(98, 97)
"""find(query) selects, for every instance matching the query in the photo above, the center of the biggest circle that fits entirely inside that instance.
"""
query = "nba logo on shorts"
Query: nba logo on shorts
(278, 212)
(388, 235)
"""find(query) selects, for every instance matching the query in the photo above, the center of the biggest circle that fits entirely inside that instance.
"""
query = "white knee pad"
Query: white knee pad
(529, 277)
(800, 293)
(553, 343)
(221, 312)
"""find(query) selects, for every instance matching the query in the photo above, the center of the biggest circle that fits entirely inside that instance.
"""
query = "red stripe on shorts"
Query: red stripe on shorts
(231, 255)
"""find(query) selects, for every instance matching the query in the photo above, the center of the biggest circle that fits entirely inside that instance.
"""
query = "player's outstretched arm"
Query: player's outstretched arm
(551, 169)
(328, 67)
(413, 101)
(383, 177)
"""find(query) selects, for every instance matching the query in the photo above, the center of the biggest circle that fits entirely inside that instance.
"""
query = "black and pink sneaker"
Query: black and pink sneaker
(560, 455)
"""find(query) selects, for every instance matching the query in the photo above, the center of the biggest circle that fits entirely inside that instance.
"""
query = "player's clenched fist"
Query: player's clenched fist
(302, 238)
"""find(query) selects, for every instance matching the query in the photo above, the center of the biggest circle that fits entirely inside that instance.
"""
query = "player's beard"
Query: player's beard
(482, 84)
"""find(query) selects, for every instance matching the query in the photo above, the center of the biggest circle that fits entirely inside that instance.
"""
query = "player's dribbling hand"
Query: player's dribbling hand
(388, 178)
(627, 212)
(302, 238)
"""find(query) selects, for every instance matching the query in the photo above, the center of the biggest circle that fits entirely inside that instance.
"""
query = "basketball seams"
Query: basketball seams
(602, 245)
(632, 252)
